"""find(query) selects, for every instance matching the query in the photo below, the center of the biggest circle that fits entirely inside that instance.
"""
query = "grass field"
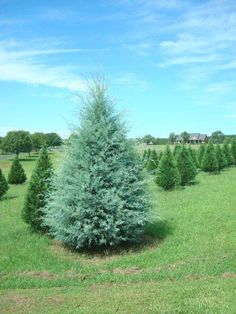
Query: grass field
(186, 265)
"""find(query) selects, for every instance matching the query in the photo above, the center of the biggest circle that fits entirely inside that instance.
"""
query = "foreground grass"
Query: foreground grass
(187, 264)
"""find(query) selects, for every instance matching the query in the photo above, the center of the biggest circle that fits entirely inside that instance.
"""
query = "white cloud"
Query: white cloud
(26, 66)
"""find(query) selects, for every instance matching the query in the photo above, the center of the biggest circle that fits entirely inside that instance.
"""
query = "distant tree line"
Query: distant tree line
(23, 141)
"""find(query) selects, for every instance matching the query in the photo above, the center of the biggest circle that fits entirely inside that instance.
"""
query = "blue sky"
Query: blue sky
(170, 65)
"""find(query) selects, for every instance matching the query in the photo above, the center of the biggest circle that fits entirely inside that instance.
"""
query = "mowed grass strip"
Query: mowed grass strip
(186, 264)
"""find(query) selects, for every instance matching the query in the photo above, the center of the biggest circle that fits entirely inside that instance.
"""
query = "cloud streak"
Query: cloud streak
(27, 66)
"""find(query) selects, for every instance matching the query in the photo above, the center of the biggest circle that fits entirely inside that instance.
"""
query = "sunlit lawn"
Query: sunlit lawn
(187, 263)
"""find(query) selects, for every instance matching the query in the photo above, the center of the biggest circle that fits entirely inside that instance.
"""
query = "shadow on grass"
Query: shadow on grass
(154, 234)
(28, 159)
(8, 197)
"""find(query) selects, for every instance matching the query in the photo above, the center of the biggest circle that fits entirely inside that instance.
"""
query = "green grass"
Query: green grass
(186, 265)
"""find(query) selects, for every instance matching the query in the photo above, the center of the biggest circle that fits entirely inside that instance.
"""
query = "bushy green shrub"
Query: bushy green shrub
(39, 187)
(209, 161)
(167, 173)
(99, 196)
(186, 166)
(228, 154)
(3, 184)
(17, 174)
(221, 158)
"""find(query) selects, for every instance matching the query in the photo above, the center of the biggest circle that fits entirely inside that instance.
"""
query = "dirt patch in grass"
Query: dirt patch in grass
(128, 271)
(103, 255)
(228, 275)
(38, 274)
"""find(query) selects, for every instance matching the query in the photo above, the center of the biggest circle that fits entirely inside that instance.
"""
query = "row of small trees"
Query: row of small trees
(22, 141)
(181, 166)
(38, 189)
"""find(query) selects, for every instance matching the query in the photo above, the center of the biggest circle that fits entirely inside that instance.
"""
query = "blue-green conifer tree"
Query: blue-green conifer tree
(99, 196)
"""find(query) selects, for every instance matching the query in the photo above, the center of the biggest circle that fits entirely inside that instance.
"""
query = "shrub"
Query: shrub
(17, 174)
(209, 161)
(3, 184)
(221, 158)
(186, 166)
(233, 150)
(39, 187)
(228, 154)
(99, 197)
(167, 173)
(152, 161)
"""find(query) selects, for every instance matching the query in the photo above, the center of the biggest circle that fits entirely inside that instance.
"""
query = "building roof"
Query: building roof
(193, 137)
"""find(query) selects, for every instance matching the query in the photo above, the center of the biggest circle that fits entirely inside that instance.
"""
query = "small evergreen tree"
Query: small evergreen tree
(200, 154)
(167, 173)
(148, 153)
(221, 158)
(176, 150)
(17, 174)
(39, 187)
(159, 157)
(152, 161)
(3, 184)
(98, 197)
(186, 166)
(193, 154)
(228, 154)
(144, 155)
(209, 161)
(233, 150)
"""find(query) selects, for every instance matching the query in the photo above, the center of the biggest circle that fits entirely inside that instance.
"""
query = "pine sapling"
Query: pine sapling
(186, 166)
(3, 184)
(17, 174)
(38, 190)
(167, 172)
(209, 161)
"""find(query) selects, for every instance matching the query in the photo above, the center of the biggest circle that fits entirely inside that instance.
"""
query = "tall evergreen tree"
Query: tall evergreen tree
(228, 154)
(200, 154)
(99, 197)
(167, 173)
(152, 161)
(3, 184)
(233, 150)
(17, 174)
(209, 161)
(186, 166)
(221, 158)
(38, 190)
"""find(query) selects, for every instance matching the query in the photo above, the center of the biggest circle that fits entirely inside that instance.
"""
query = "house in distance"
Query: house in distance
(194, 138)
